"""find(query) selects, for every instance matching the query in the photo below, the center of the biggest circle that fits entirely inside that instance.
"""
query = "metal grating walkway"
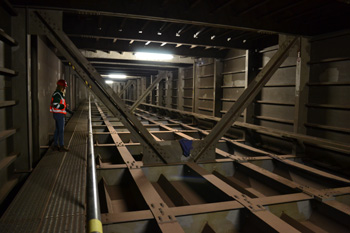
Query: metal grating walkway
(53, 197)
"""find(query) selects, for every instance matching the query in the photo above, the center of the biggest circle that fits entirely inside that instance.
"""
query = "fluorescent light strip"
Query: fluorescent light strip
(153, 56)
(116, 76)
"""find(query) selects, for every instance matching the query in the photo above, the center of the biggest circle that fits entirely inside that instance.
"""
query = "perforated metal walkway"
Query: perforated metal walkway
(53, 197)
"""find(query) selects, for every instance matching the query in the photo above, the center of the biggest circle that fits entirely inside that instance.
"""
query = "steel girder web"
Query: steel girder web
(128, 84)
(208, 144)
(48, 24)
(146, 93)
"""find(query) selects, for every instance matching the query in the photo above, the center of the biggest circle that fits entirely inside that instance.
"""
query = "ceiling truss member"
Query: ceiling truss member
(47, 23)
(244, 100)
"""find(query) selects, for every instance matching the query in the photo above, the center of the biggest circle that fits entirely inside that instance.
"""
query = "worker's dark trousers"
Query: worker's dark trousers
(59, 131)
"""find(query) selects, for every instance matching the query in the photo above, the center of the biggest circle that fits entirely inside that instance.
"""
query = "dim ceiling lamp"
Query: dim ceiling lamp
(153, 56)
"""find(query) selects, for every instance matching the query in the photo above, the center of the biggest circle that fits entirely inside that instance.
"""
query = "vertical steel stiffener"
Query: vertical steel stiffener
(245, 99)
(146, 93)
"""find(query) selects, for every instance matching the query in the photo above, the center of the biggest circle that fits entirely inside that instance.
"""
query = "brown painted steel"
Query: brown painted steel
(94, 81)
(259, 214)
(146, 93)
(245, 99)
(161, 212)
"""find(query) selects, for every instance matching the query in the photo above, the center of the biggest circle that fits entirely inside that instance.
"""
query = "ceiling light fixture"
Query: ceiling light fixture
(159, 33)
(109, 81)
(163, 44)
(178, 34)
(116, 76)
(228, 39)
(132, 41)
(153, 56)
(140, 31)
(148, 42)
(212, 37)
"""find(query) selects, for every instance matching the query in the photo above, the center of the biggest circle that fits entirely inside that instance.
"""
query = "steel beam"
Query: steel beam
(281, 183)
(161, 212)
(128, 84)
(21, 92)
(146, 93)
(315, 141)
(124, 45)
(245, 99)
(218, 91)
(258, 214)
(106, 9)
(48, 23)
(301, 90)
(273, 223)
(282, 159)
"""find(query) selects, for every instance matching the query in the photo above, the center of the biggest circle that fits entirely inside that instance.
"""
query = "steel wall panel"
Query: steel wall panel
(332, 47)
(332, 117)
(275, 125)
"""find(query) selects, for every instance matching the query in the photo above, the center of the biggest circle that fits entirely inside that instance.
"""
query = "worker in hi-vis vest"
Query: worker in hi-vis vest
(59, 109)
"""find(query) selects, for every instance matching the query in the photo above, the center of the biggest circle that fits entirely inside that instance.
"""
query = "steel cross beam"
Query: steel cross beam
(146, 93)
(322, 197)
(249, 201)
(253, 205)
(319, 142)
(128, 84)
(48, 24)
(161, 212)
(245, 99)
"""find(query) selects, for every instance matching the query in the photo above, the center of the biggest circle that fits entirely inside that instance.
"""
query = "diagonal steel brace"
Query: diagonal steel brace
(146, 93)
(128, 84)
(245, 99)
(93, 79)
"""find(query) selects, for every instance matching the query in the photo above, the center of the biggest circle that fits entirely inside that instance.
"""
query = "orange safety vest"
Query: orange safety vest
(62, 101)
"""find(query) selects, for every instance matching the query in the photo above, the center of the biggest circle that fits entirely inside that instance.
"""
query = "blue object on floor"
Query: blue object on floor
(186, 146)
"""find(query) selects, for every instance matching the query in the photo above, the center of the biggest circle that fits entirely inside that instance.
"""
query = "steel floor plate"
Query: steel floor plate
(53, 197)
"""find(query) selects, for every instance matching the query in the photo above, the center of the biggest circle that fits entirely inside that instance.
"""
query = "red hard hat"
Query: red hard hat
(62, 83)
